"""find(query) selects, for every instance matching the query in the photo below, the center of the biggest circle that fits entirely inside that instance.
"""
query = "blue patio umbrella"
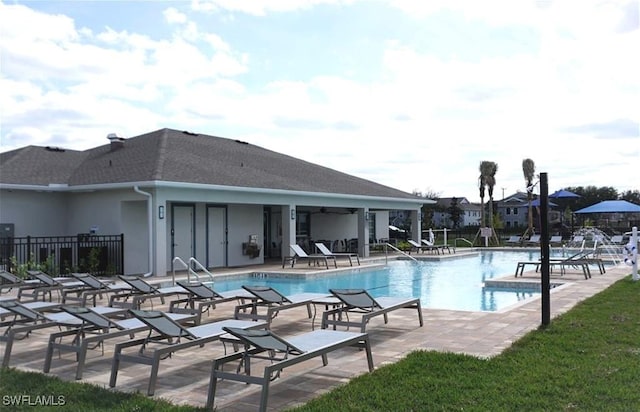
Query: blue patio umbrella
(611, 206)
(563, 194)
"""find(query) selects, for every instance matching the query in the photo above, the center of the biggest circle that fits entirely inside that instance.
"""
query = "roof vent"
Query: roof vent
(116, 141)
(54, 149)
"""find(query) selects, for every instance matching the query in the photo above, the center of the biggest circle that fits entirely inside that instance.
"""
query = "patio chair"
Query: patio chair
(202, 298)
(578, 241)
(513, 240)
(281, 353)
(578, 260)
(27, 320)
(300, 254)
(48, 285)
(95, 329)
(37, 305)
(94, 287)
(274, 302)
(555, 240)
(9, 281)
(326, 252)
(415, 246)
(617, 240)
(170, 337)
(534, 240)
(359, 301)
(141, 291)
(439, 248)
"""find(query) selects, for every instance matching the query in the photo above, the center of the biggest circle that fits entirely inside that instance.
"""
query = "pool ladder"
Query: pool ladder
(190, 271)
(386, 252)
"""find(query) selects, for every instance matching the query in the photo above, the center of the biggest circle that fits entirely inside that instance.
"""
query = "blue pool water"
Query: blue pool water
(449, 284)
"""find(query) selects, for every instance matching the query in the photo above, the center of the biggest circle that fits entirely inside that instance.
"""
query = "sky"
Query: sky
(409, 94)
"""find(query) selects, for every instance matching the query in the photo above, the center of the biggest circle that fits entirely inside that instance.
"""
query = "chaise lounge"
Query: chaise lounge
(281, 353)
(203, 298)
(142, 291)
(27, 320)
(326, 252)
(300, 254)
(169, 337)
(274, 301)
(93, 332)
(360, 302)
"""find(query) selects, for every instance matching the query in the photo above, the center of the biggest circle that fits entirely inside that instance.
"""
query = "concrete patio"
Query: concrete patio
(184, 378)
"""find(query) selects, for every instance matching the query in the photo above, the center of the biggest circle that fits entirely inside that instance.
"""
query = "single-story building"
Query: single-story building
(173, 193)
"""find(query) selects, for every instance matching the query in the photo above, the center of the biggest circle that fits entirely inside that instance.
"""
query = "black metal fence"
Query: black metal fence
(59, 255)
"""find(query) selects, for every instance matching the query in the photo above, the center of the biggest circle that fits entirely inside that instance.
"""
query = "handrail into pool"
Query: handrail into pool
(455, 242)
(202, 268)
(190, 271)
(386, 259)
(173, 272)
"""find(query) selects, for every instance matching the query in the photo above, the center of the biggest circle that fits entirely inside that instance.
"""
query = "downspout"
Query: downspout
(150, 223)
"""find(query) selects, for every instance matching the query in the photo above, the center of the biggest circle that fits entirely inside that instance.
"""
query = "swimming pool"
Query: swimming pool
(448, 284)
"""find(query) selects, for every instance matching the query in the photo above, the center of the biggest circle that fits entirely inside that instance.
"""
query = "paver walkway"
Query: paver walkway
(184, 378)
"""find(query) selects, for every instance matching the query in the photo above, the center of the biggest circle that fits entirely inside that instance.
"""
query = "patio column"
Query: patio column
(363, 232)
(288, 229)
(416, 226)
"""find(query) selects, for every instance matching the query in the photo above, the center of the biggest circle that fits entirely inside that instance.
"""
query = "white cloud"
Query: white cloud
(422, 122)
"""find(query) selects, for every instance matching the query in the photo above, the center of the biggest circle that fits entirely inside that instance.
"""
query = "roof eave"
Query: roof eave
(202, 186)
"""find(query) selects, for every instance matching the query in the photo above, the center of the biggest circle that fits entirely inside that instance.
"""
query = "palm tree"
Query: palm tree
(485, 173)
(491, 182)
(481, 186)
(529, 170)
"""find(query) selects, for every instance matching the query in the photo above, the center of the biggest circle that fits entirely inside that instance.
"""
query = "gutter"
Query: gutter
(150, 223)
(203, 186)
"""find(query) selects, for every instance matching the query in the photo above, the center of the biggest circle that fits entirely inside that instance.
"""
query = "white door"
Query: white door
(216, 237)
(182, 233)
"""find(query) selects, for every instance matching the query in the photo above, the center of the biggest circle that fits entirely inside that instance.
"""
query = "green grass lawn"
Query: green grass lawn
(586, 360)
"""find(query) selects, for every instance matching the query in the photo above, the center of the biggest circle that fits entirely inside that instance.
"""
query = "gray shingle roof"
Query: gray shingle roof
(175, 156)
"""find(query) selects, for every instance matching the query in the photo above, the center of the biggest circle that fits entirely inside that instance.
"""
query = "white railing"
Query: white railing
(173, 273)
(190, 271)
(204, 270)
(455, 242)
(386, 250)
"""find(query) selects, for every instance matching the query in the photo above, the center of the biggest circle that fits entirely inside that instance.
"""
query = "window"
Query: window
(515, 210)
(508, 211)
(372, 228)
(302, 224)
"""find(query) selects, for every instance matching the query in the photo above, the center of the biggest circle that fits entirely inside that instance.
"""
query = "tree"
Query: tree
(491, 183)
(529, 170)
(455, 213)
(632, 196)
(427, 210)
(482, 182)
(591, 195)
(487, 179)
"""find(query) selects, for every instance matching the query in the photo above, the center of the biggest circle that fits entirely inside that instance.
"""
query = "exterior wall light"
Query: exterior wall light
(160, 212)
(293, 214)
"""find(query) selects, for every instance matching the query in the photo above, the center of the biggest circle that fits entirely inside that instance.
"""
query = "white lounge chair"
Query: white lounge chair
(300, 254)
(325, 251)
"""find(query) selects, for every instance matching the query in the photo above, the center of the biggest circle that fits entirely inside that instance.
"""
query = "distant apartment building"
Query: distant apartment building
(470, 213)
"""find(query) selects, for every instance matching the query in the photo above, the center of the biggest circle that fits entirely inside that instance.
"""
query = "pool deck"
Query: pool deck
(184, 378)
